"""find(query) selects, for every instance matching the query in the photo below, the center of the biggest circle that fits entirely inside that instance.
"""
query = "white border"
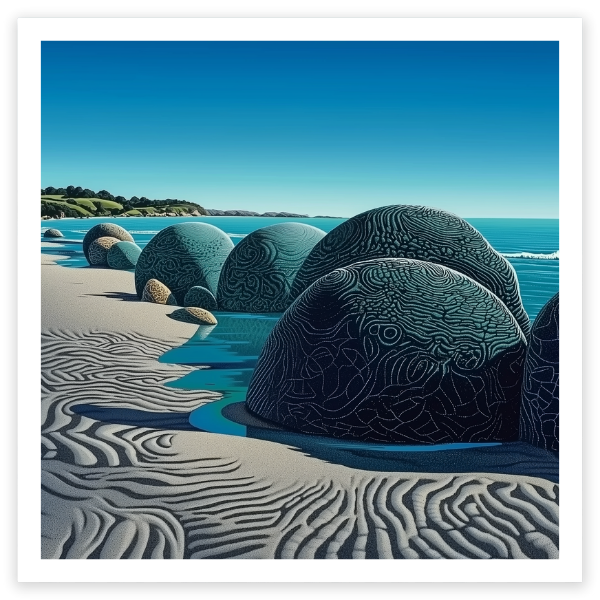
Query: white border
(567, 31)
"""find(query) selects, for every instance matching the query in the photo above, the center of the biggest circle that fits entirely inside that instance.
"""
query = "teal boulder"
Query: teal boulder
(258, 274)
(123, 255)
(183, 256)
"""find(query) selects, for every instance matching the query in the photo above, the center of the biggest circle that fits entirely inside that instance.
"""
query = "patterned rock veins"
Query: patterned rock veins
(258, 274)
(393, 350)
(420, 233)
(539, 408)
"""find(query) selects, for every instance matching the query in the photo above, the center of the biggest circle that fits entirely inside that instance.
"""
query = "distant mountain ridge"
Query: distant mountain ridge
(215, 212)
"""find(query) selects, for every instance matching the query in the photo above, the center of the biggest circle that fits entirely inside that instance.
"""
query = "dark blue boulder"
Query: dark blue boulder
(419, 233)
(393, 350)
(539, 408)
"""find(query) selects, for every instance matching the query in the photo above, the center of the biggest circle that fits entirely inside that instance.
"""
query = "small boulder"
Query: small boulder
(53, 233)
(193, 314)
(158, 293)
(98, 250)
(123, 255)
(201, 297)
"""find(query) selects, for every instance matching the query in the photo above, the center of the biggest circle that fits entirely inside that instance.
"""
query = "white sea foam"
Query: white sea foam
(531, 255)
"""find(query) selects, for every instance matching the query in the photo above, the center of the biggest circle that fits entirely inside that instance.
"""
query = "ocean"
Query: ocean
(530, 245)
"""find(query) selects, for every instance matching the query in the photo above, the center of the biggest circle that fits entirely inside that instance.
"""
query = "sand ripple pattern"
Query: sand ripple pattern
(97, 372)
(127, 490)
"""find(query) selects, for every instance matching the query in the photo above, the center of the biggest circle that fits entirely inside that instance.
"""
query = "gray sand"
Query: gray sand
(178, 493)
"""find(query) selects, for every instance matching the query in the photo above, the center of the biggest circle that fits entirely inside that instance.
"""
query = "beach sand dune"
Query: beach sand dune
(124, 475)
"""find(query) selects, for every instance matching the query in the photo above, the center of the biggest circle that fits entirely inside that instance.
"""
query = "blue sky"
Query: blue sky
(313, 127)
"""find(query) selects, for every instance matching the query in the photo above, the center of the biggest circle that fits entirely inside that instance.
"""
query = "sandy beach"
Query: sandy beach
(147, 485)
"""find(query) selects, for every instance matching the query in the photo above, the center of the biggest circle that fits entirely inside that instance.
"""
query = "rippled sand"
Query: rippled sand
(125, 476)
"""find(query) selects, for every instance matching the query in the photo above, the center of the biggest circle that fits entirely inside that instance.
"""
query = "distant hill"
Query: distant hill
(79, 202)
(215, 212)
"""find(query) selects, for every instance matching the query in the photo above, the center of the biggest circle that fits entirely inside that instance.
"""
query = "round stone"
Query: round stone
(539, 407)
(123, 255)
(157, 293)
(393, 350)
(98, 250)
(258, 274)
(193, 314)
(419, 233)
(104, 230)
(201, 297)
(183, 256)
(53, 233)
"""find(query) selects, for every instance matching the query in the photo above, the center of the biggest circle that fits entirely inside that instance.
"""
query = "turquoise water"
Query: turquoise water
(534, 239)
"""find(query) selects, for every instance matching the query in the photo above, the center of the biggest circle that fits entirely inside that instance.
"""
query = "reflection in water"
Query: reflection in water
(227, 353)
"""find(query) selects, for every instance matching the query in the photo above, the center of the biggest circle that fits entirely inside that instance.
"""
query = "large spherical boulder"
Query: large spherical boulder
(419, 233)
(104, 230)
(123, 255)
(201, 297)
(539, 407)
(53, 233)
(258, 274)
(99, 249)
(393, 350)
(182, 256)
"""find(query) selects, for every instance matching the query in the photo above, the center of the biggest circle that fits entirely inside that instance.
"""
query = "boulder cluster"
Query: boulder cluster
(401, 325)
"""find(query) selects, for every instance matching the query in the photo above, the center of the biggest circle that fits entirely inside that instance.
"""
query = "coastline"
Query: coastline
(140, 482)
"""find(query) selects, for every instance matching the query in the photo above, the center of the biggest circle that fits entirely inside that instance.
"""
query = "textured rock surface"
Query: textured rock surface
(201, 297)
(104, 230)
(394, 350)
(183, 256)
(53, 233)
(123, 255)
(158, 293)
(539, 407)
(258, 274)
(193, 314)
(98, 250)
(420, 233)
